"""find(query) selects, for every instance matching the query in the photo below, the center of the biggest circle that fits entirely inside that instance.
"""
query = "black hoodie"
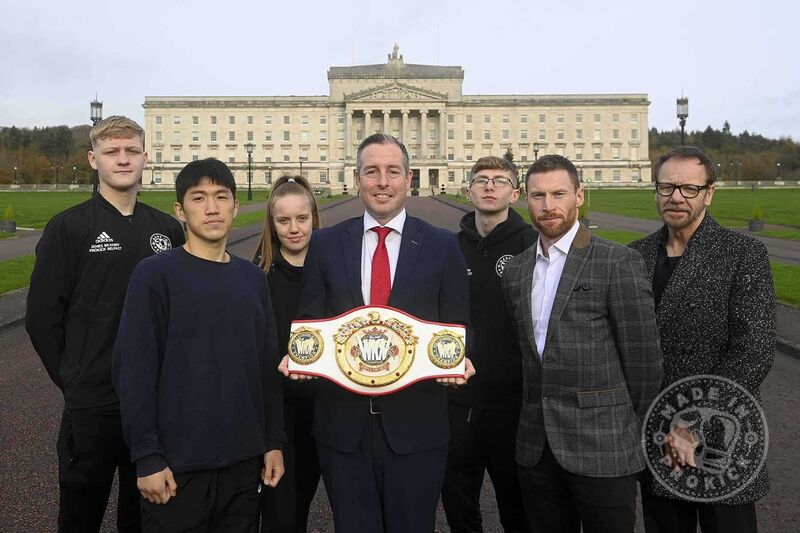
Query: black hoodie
(495, 353)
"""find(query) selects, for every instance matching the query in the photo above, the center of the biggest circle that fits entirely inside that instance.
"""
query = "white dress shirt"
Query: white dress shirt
(370, 243)
(546, 277)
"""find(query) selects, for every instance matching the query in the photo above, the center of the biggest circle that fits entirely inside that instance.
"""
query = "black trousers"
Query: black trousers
(284, 509)
(374, 490)
(223, 500)
(558, 501)
(482, 441)
(665, 515)
(90, 449)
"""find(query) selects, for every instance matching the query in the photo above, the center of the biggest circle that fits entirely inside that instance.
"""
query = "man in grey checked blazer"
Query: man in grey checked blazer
(591, 365)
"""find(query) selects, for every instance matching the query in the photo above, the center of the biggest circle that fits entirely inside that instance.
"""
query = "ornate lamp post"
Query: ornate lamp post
(535, 151)
(683, 114)
(249, 147)
(96, 115)
(15, 175)
(779, 171)
(74, 175)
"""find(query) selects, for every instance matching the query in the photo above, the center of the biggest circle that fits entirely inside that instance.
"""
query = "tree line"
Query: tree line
(49, 154)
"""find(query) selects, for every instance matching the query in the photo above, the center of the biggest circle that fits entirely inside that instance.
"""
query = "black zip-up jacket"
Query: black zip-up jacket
(83, 261)
(497, 383)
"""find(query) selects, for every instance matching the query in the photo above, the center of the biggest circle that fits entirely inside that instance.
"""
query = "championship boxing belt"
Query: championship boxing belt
(376, 350)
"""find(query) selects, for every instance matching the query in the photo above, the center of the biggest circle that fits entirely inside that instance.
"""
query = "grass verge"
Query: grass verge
(15, 273)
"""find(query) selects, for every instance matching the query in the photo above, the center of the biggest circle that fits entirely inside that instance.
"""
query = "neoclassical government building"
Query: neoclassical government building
(445, 131)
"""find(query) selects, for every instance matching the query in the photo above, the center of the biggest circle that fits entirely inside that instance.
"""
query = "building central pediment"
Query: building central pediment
(396, 92)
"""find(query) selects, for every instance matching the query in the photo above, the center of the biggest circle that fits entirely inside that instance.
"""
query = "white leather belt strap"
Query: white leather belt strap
(376, 350)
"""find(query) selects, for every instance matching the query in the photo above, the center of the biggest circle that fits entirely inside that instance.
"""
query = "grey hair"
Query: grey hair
(381, 138)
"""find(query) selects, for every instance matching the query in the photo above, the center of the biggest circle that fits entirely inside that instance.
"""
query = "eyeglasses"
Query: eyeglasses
(499, 182)
(687, 190)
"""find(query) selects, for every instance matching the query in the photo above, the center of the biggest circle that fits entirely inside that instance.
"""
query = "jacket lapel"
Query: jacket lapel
(576, 258)
(525, 281)
(351, 248)
(410, 246)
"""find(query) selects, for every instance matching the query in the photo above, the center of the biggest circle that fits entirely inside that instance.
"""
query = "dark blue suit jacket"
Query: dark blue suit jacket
(430, 282)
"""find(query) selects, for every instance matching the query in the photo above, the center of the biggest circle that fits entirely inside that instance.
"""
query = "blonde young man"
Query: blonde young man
(83, 262)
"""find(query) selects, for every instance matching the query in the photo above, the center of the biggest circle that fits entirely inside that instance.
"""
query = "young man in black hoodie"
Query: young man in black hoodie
(195, 368)
(83, 262)
(485, 412)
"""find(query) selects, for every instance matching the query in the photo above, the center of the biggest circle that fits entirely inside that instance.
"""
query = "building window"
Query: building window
(159, 137)
(323, 135)
(250, 136)
(487, 119)
(158, 120)
(468, 119)
(615, 134)
(597, 118)
(286, 157)
(231, 136)
(323, 120)
(195, 155)
(176, 120)
(505, 134)
(340, 135)
(468, 135)
(340, 119)
(286, 119)
(616, 175)
(560, 118)
(597, 152)
(157, 177)
(451, 156)
(542, 135)
(634, 118)
(523, 119)
(414, 135)
(560, 149)
(176, 137)
(304, 120)
(268, 120)
(615, 118)
(579, 134)
(542, 118)
(212, 137)
(468, 154)
(231, 157)
(505, 119)
(578, 153)
(596, 136)
(267, 135)
(195, 136)
(304, 154)
(578, 117)
(231, 119)
(195, 121)
(598, 175)
(634, 135)
(635, 175)
(523, 135)
(451, 119)
(451, 176)
(615, 152)
(176, 157)
(323, 177)
(159, 157)
(323, 155)
(286, 136)
(487, 135)
(304, 136)
(451, 135)
(250, 119)
(213, 120)
(560, 135)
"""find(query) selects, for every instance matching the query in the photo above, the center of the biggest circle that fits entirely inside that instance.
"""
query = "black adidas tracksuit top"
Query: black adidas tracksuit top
(83, 262)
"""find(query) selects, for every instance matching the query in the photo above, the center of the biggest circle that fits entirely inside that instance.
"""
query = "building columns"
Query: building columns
(386, 125)
(442, 134)
(423, 127)
(404, 131)
(348, 135)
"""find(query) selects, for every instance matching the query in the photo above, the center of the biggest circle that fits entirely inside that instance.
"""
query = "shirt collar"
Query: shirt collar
(396, 223)
(563, 244)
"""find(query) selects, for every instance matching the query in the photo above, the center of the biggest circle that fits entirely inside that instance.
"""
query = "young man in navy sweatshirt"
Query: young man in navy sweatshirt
(195, 368)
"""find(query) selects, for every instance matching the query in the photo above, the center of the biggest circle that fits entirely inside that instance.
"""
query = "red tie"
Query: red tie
(381, 282)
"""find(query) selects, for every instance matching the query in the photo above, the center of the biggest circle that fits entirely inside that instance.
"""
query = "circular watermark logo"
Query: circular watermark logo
(725, 425)
(160, 243)
(500, 266)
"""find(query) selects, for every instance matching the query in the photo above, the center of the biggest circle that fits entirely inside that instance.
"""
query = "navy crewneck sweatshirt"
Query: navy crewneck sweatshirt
(195, 364)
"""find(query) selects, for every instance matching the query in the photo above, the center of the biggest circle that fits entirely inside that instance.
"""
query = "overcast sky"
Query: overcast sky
(735, 60)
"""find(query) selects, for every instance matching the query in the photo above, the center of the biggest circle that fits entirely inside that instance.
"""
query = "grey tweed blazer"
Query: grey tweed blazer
(601, 367)
(716, 316)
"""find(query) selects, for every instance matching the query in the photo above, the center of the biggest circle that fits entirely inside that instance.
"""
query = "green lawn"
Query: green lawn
(5, 235)
(787, 282)
(731, 207)
(15, 273)
(34, 209)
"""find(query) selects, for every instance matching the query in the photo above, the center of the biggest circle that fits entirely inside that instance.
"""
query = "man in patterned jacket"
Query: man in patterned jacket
(715, 306)
(583, 312)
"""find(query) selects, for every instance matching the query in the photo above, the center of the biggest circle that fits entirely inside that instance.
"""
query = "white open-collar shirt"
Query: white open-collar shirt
(369, 244)
(546, 277)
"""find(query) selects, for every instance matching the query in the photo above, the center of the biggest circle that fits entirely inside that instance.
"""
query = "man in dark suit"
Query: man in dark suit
(715, 307)
(383, 458)
(584, 318)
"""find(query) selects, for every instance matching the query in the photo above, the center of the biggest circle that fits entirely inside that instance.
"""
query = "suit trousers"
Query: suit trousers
(223, 500)
(665, 515)
(480, 441)
(90, 450)
(375, 490)
(558, 501)
(284, 509)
